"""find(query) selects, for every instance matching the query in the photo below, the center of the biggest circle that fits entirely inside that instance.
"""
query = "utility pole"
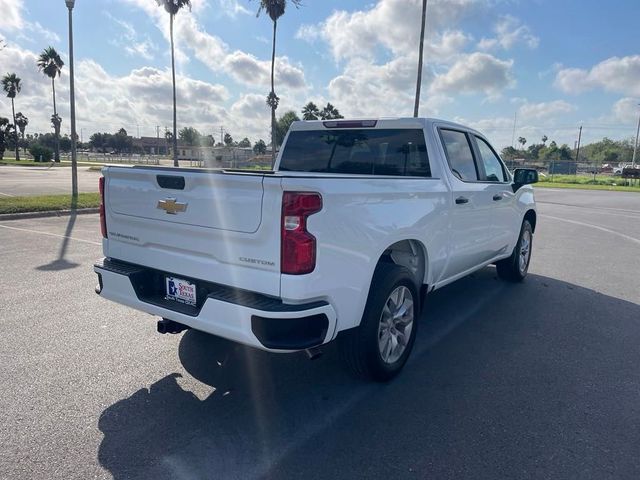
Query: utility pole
(578, 151)
(222, 135)
(515, 121)
(635, 147)
(74, 162)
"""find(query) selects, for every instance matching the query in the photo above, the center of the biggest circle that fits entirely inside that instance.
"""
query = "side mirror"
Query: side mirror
(524, 176)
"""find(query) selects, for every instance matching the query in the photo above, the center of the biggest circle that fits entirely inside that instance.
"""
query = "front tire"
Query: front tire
(380, 346)
(516, 267)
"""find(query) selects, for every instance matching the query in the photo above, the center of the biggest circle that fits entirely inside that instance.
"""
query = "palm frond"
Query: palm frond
(50, 62)
(11, 84)
(276, 8)
(174, 6)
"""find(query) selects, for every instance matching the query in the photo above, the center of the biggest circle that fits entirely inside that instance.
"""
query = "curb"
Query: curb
(49, 213)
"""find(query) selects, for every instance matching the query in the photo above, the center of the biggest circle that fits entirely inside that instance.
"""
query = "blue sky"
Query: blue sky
(554, 65)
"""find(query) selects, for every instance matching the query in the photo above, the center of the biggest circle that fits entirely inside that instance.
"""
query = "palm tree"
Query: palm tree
(416, 106)
(329, 112)
(21, 122)
(544, 139)
(522, 141)
(5, 132)
(275, 9)
(50, 63)
(56, 122)
(173, 7)
(11, 85)
(310, 111)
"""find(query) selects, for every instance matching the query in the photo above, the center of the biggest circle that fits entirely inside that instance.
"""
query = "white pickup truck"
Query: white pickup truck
(358, 221)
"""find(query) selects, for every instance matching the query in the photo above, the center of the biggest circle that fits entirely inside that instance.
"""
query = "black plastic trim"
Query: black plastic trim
(173, 182)
(290, 333)
(149, 285)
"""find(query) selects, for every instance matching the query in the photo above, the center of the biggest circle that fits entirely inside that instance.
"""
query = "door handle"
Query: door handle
(497, 197)
(461, 200)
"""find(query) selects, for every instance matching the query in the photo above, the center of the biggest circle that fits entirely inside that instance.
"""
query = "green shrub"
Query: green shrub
(41, 153)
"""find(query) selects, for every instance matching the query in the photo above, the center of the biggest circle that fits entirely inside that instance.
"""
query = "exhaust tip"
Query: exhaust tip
(313, 353)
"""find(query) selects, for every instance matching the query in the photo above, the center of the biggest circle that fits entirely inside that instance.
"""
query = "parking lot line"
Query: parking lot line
(6, 194)
(597, 227)
(49, 234)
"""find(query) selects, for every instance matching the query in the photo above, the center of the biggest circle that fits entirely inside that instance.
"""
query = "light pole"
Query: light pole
(72, 98)
(635, 147)
(416, 106)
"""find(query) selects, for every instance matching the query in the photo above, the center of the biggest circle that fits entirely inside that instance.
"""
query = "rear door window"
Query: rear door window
(459, 155)
(493, 170)
(395, 152)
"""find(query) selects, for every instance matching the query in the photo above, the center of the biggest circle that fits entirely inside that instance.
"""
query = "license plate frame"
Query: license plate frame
(180, 290)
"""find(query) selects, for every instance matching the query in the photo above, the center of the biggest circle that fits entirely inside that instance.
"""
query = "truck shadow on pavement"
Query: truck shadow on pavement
(526, 380)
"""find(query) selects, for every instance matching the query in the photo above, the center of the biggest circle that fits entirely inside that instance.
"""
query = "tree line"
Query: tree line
(605, 151)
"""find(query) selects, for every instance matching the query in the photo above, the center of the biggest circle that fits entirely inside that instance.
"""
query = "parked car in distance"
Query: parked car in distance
(356, 223)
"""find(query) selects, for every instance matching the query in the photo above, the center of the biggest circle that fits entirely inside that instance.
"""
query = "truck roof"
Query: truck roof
(374, 122)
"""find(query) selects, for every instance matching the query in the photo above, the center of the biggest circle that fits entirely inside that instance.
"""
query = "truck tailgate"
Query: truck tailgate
(204, 225)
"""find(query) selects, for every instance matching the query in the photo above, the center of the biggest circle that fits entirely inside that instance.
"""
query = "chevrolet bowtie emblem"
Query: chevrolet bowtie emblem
(172, 206)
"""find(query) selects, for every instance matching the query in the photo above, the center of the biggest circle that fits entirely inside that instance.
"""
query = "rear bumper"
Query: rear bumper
(245, 317)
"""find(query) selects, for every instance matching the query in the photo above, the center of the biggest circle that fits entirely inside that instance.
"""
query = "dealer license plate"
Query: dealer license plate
(181, 291)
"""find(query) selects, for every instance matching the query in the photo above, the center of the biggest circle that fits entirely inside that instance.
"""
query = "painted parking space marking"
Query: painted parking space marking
(50, 234)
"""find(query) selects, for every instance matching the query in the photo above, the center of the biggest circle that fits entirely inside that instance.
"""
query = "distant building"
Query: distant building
(151, 145)
(216, 157)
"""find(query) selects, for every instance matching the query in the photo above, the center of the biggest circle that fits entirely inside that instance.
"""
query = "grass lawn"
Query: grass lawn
(586, 182)
(582, 186)
(30, 163)
(47, 202)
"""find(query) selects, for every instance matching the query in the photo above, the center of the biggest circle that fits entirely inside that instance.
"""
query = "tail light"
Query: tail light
(103, 219)
(298, 255)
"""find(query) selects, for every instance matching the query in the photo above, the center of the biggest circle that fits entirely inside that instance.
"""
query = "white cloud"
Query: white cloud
(626, 110)
(247, 69)
(509, 32)
(392, 24)
(142, 97)
(544, 110)
(12, 20)
(214, 53)
(619, 75)
(365, 89)
(309, 33)
(232, 8)
(475, 73)
(130, 41)
(48, 35)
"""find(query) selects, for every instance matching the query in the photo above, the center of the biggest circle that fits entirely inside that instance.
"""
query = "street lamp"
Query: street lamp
(74, 164)
(635, 147)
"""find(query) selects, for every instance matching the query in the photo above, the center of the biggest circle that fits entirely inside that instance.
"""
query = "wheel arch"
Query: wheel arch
(532, 217)
(411, 254)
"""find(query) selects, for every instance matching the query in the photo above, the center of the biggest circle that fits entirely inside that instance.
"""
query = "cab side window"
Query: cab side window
(459, 154)
(492, 164)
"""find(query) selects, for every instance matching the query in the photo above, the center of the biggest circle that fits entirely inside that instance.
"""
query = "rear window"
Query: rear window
(400, 152)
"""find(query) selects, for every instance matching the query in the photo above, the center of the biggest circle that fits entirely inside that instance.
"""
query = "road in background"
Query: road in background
(535, 380)
(19, 181)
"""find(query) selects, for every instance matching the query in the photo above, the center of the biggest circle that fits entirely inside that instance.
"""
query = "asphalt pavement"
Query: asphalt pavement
(535, 380)
(19, 181)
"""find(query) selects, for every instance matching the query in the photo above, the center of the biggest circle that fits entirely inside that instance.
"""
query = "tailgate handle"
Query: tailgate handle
(171, 181)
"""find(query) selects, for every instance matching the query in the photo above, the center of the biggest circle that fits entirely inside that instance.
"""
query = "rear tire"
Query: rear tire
(515, 268)
(379, 347)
